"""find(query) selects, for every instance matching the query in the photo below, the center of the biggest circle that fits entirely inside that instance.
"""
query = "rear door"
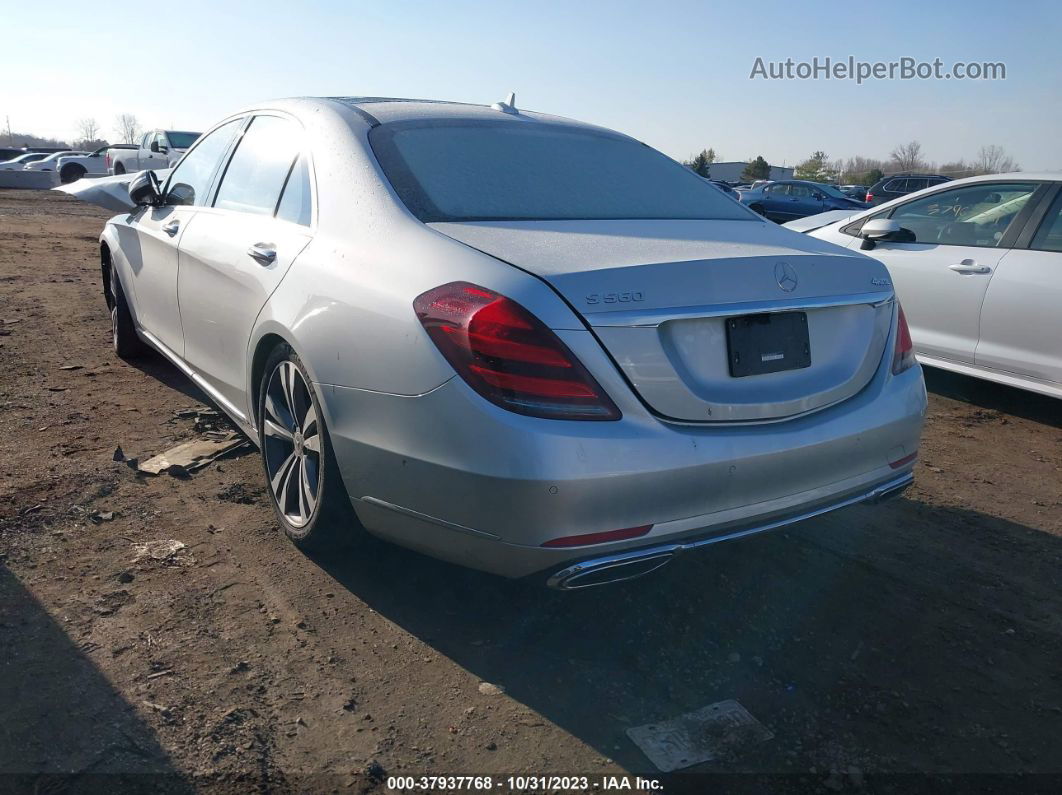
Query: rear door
(803, 201)
(152, 255)
(1021, 321)
(942, 277)
(776, 201)
(239, 250)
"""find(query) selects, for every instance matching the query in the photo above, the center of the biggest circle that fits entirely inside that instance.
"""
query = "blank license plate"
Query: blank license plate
(767, 343)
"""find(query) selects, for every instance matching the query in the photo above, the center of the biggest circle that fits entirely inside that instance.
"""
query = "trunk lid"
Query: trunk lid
(659, 295)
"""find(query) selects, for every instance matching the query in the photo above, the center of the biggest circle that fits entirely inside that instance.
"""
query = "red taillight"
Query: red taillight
(599, 538)
(870, 197)
(904, 355)
(107, 160)
(509, 356)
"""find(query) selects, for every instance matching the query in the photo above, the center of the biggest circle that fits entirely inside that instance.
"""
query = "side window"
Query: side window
(144, 141)
(776, 191)
(916, 184)
(974, 215)
(190, 181)
(258, 169)
(160, 139)
(896, 186)
(800, 191)
(1049, 236)
(296, 203)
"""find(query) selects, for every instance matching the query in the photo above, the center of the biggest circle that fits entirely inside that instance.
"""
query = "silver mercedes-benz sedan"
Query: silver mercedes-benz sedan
(514, 341)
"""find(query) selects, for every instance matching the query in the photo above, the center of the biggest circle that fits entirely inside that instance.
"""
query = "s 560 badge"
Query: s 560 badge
(615, 298)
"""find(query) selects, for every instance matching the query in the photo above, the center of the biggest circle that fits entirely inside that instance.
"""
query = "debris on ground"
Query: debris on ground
(716, 731)
(187, 457)
(488, 689)
(167, 551)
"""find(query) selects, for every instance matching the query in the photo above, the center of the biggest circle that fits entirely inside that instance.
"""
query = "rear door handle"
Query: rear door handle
(172, 227)
(262, 253)
(969, 266)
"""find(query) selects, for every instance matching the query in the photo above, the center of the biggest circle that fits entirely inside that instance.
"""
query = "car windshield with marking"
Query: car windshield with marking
(526, 171)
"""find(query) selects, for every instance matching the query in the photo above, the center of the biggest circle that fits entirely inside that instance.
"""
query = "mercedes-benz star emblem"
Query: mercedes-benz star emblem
(786, 276)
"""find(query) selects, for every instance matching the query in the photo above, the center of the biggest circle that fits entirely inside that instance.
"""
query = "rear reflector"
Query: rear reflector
(907, 459)
(599, 538)
(509, 356)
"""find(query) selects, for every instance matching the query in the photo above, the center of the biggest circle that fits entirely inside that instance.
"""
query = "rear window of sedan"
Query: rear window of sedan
(529, 171)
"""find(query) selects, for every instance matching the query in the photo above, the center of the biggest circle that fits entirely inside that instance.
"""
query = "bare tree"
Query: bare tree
(127, 127)
(88, 129)
(994, 160)
(907, 157)
(956, 169)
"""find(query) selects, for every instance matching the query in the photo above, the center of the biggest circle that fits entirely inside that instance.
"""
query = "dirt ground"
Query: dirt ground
(877, 644)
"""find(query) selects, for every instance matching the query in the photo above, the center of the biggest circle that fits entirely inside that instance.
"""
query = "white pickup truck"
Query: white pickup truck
(156, 149)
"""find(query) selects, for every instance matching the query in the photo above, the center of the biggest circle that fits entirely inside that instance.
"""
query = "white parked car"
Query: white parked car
(49, 163)
(20, 162)
(157, 149)
(977, 263)
(510, 340)
(73, 167)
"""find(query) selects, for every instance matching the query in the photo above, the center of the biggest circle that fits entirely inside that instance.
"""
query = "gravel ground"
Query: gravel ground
(164, 626)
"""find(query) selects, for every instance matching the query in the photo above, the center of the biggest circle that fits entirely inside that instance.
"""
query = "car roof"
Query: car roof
(387, 110)
(1032, 176)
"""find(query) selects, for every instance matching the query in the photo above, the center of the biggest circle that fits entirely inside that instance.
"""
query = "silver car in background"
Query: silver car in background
(509, 340)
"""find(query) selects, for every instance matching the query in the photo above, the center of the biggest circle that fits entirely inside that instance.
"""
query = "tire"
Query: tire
(123, 332)
(318, 515)
(71, 173)
(118, 169)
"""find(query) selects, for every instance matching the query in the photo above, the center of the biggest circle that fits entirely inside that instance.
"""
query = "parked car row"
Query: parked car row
(157, 149)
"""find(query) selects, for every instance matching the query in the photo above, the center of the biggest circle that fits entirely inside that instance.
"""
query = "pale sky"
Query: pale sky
(673, 74)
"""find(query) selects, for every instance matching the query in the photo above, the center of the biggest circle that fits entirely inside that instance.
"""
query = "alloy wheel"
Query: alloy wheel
(291, 433)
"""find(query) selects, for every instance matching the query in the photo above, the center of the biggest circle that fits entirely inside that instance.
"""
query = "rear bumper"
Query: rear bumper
(636, 562)
(450, 475)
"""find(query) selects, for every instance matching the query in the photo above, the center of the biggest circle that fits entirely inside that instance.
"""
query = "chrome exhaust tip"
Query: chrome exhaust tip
(889, 490)
(605, 571)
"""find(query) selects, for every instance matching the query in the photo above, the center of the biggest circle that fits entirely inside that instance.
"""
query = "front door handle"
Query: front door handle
(969, 266)
(262, 253)
(172, 227)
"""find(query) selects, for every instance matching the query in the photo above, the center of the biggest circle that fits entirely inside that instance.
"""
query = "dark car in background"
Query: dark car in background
(725, 188)
(897, 185)
(788, 199)
(857, 192)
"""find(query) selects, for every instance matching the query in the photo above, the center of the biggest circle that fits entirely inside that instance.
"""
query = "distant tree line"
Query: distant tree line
(127, 130)
(990, 159)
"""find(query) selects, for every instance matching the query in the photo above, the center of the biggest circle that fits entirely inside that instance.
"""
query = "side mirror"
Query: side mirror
(144, 189)
(879, 229)
(154, 147)
(883, 229)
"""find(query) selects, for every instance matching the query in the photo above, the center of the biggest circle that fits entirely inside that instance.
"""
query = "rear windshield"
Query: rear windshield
(182, 140)
(504, 171)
